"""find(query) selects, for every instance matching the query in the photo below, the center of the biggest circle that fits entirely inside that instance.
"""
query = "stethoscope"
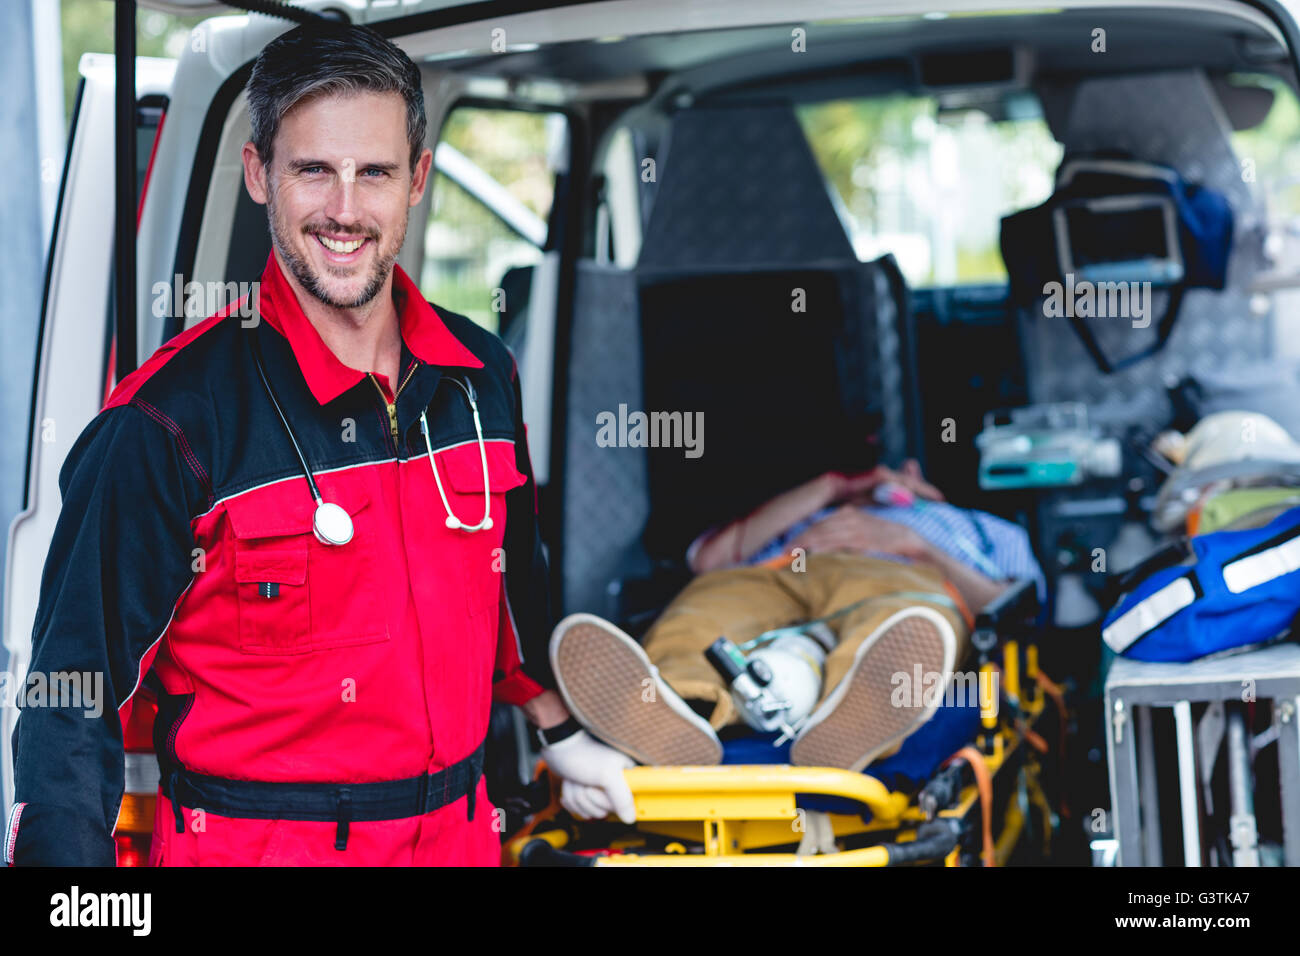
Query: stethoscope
(453, 522)
(331, 523)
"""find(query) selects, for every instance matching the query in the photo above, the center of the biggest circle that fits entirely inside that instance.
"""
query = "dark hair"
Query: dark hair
(326, 58)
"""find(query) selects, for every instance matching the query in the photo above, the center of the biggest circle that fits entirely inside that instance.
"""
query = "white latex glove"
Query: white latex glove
(592, 774)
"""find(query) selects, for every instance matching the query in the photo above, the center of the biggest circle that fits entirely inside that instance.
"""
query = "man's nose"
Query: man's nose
(342, 205)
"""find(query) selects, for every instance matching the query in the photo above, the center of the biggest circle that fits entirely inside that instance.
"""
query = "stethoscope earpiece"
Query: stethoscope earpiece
(455, 524)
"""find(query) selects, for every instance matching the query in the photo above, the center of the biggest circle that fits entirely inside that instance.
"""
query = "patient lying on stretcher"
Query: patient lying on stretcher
(889, 569)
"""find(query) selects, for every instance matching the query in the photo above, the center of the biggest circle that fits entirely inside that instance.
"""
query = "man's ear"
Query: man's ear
(255, 175)
(420, 177)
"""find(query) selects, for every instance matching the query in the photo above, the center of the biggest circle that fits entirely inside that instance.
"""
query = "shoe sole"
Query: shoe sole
(604, 682)
(864, 722)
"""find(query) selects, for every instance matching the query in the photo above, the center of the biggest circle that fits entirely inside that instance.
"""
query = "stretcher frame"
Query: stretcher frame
(748, 815)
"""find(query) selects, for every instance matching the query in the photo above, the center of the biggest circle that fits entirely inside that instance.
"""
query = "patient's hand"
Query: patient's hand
(736, 541)
(859, 487)
(849, 528)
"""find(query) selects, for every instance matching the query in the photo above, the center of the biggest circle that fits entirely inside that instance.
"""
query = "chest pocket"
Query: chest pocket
(295, 594)
(483, 556)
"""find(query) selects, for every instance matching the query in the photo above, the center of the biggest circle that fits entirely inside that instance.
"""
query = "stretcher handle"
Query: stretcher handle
(538, 852)
(1017, 604)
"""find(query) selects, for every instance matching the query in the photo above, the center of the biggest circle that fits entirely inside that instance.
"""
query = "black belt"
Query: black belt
(338, 802)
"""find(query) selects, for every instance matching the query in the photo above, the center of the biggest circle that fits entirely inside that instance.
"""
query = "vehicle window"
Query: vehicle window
(492, 194)
(1269, 154)
(86, 26)
(931, 186)
(1270, 151)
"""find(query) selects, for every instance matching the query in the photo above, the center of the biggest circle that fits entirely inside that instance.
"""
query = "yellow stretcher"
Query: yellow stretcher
(978, 809)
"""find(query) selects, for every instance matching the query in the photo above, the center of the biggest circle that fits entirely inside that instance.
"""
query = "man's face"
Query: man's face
(339, 192)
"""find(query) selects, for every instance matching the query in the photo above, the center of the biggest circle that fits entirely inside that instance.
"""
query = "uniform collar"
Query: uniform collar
(422, 331)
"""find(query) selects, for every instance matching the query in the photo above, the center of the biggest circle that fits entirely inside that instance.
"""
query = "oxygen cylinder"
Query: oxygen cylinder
(797, 665)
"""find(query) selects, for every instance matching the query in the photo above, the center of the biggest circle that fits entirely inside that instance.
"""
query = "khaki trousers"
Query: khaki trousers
(742, 603)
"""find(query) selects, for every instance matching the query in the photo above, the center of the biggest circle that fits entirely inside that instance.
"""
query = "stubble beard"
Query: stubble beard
(310, 280)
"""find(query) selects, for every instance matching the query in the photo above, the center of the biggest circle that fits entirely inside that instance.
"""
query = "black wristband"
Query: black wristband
(553, 735)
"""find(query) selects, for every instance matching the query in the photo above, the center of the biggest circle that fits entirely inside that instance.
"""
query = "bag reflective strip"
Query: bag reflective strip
(1246, 573)
(1148, 614)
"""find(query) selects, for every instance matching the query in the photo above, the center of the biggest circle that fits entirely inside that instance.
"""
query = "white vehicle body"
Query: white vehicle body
(197, 179)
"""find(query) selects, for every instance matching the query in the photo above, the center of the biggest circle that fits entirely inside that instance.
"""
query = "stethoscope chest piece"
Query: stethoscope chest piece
(331, 524)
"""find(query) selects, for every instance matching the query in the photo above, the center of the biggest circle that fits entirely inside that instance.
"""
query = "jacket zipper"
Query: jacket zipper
(392, 406)
(169, 784)
(175, 729)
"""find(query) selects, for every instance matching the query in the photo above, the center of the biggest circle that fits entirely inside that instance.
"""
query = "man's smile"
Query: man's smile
(342, 249)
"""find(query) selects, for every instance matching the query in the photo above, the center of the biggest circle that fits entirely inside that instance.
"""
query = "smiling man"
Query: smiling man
(311, 537)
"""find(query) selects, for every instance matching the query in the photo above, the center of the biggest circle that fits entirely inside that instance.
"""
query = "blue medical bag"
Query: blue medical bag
(1210, 593)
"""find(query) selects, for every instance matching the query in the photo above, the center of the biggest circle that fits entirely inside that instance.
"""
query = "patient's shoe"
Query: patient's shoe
(859, 720)
(613, 690)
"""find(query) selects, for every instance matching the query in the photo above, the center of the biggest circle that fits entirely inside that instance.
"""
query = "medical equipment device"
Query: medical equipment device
(1116, 225)
(1044, 446)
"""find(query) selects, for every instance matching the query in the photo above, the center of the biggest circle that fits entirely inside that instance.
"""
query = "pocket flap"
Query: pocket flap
(287, 508)
(461, 466)
(281, 567)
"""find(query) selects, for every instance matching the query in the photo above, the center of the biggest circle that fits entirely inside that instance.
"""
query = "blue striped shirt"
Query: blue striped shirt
(997, 548)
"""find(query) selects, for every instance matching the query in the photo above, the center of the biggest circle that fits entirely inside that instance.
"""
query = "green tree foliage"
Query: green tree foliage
(468, 247)
(848, 135)
(87, 27)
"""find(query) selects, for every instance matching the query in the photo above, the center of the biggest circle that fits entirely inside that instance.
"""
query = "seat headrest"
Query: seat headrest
(740, 187)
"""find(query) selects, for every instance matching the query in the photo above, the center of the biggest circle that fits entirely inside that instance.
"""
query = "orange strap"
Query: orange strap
(984, 783)
(1057, 693)
(962, 608)
(1034, 740)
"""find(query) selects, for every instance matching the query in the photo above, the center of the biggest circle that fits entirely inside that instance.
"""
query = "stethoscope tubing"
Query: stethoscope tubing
(331, 523)
(453, 522)
(284, 420)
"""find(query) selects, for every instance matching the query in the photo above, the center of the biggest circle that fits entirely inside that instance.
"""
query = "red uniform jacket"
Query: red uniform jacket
(184, 557)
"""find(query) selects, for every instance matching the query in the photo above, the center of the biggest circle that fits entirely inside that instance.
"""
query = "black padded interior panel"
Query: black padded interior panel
(605, 497)
(766, 382)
